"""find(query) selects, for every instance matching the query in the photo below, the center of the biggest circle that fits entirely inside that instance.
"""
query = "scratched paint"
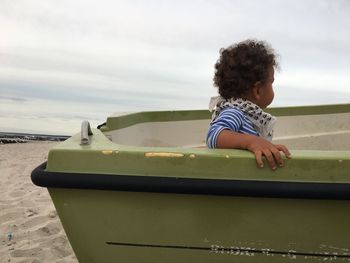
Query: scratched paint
(164, 154)
(324, 246)
(290, 254)
(107, 152)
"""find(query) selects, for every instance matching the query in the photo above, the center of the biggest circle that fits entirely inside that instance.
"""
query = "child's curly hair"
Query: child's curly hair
(241, 65)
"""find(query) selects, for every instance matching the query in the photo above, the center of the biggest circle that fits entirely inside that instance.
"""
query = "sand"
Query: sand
(30, 230)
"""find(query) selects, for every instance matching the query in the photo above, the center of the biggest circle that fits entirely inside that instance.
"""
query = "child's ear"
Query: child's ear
(256, 90)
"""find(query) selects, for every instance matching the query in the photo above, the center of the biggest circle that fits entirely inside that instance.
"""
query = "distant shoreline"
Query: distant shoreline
(12, 137)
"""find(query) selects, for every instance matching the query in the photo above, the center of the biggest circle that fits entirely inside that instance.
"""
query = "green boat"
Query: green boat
(144, 188)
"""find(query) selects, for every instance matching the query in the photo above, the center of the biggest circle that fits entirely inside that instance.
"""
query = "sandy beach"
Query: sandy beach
(30, 230)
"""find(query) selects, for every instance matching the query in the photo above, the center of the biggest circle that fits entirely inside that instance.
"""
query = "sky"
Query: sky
(62, 62)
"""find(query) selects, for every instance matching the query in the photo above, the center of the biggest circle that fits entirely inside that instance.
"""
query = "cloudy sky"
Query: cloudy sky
(65, 61)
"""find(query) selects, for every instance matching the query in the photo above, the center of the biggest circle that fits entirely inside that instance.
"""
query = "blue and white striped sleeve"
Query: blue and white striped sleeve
(229, 119)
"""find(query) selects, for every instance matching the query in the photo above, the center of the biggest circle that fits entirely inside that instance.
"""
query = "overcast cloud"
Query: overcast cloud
(106, 56)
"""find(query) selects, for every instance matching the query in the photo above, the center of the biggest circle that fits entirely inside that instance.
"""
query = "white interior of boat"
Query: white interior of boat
(307, 132)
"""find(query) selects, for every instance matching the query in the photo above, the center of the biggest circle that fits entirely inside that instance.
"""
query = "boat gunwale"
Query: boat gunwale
(194, 186)
(129, 119)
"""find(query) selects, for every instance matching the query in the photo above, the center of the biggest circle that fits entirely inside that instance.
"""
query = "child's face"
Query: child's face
(266, 93)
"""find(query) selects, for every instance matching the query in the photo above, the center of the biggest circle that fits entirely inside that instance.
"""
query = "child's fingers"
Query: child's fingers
(270, 158)
(284, 149)
(258, 158)
(277, 155)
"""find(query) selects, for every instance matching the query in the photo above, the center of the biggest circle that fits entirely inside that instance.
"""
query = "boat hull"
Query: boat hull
(120, 226)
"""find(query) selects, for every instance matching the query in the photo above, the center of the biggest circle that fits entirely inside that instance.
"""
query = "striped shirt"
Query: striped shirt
(231, 119)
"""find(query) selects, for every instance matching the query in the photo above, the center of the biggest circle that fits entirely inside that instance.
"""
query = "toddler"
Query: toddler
(244, 75)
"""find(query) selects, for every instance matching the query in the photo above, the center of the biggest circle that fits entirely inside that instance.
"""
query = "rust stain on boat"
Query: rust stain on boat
(164, 154)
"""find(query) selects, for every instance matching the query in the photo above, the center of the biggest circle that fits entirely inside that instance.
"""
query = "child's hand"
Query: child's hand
(260, 147)
(257, 145)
